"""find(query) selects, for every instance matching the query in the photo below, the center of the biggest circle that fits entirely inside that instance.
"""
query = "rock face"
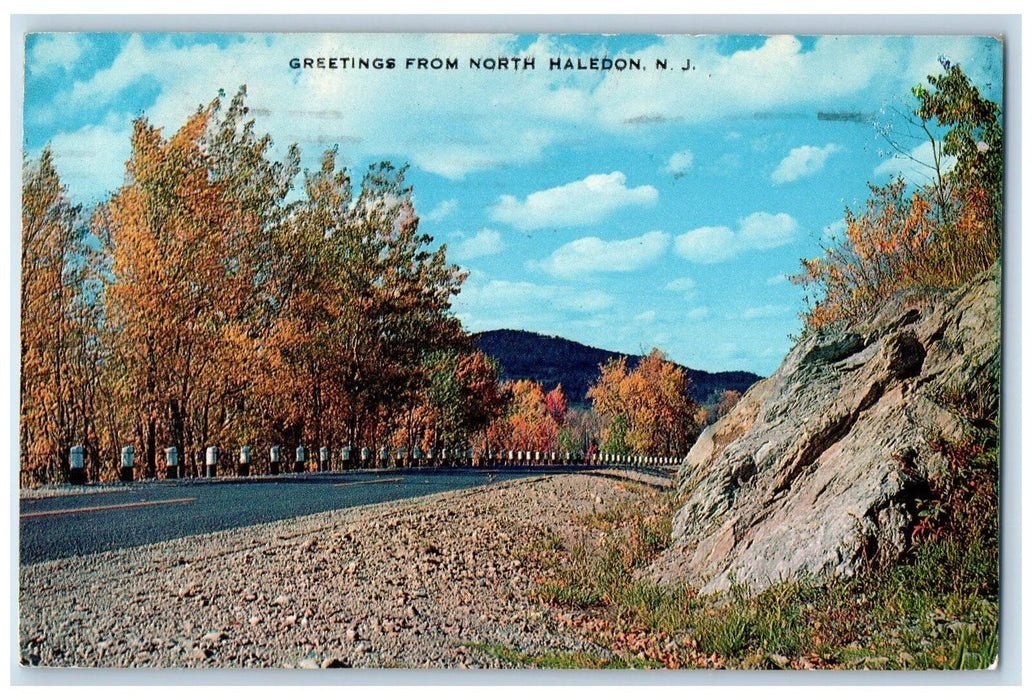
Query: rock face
(816, 470)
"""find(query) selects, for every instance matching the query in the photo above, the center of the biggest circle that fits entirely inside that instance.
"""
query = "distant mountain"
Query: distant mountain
(550, 360)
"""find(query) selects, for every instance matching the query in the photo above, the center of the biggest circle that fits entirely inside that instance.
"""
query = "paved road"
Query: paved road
(143, 513)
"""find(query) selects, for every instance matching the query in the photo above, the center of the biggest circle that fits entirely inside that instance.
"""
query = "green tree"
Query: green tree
(974, 130)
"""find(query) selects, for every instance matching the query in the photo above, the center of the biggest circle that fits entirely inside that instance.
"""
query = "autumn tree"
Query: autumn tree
(580, 431)
(527, 423)
(185, 301)
(221, 307)
(556, 405)
(460, 397)
(58, 341)
(256, 193)
(163, 229)
(372, 298)
(403, 311)
(648, 410)
(938, 235)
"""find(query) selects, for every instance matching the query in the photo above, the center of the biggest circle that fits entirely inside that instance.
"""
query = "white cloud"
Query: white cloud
(698, 313)
(970, 53)
(645, 316)
(91, 161)
(758, 231)
(765, 311)
(775, 280)
(484, 242)
(707, 244)
(454, 161)
(583, 202)
(50, 51)
(679, 163)
(371, 111)
(916, 166)
(442, 210)
(585, 256)
(761, 231)
(802, 162)
(587, 301)
(682, 285)
(368, 110)
(486, 303)
(777, 74)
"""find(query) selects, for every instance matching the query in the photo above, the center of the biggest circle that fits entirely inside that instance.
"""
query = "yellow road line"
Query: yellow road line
(373, 481)
(119, 506)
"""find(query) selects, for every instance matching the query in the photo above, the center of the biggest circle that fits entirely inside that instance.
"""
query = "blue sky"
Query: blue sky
(622, 209)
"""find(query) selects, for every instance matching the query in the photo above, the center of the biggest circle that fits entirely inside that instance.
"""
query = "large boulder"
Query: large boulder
(816, 470)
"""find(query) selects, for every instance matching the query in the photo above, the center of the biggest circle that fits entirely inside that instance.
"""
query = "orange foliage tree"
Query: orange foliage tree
(215, 308)
(188, 292)
(362, 301)
(58, 349)
(648, 410)
(527, 423)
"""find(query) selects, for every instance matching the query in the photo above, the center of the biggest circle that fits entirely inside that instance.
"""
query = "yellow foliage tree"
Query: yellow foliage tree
(648, 410)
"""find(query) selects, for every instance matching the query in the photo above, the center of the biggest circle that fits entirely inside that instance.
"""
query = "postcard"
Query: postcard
(509, 351)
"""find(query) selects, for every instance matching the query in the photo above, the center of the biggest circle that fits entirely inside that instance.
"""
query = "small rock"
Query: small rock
(281, 601)
(255, 621)
(364, 647)
(213, 637)
(351, 635)
(334, 662)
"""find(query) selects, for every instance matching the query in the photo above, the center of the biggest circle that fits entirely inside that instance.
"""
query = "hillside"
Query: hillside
(550, 360)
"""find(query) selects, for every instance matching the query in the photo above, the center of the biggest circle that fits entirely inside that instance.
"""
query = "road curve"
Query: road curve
(106, 518)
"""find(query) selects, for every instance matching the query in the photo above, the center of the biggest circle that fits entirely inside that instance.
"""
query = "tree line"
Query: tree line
(209, 301)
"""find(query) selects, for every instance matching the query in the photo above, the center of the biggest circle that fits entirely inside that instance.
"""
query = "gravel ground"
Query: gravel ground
(431, 582)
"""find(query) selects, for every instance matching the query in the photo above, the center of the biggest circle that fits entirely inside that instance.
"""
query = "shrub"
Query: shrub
(937, 236)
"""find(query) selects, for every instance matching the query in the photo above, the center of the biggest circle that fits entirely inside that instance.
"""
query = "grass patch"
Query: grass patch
(937, 610)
